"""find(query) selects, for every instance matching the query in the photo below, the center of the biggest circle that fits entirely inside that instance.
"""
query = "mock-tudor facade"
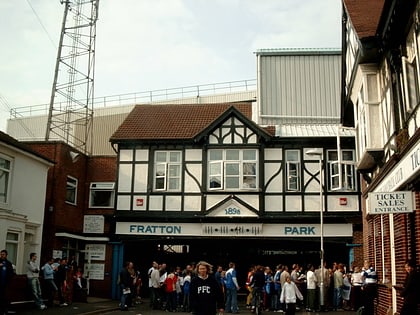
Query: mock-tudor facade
(209, 181)
(381, 97)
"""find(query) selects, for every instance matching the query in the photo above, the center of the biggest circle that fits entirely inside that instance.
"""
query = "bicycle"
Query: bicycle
(257, 301)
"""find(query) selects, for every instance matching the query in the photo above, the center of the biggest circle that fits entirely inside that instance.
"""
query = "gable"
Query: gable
(233, 128)
(231, 208)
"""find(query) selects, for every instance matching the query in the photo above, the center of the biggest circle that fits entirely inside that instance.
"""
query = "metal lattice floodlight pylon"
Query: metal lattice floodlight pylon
(71, 105)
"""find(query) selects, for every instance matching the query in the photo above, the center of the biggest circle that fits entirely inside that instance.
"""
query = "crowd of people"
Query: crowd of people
(314, 289)
(281, 289)
(61, 278)
(197, 289)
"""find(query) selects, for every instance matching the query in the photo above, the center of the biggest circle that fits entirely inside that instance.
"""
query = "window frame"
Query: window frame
(12, 253)
(167, 177)
(341, 170)
(71, 185)
(102, 187)
(245, 173)
(410, 72)
(8, 173)
(289, 176)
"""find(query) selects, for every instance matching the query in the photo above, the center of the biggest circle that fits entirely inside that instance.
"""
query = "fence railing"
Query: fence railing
(147, 96)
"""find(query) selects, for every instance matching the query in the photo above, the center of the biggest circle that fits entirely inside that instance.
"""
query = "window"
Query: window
(293, 170)
(341, 173)
(71, 190)
(12, 240)
(232, 169)
(410, 74)
(5, 169)
(101, 195)
(167, 170)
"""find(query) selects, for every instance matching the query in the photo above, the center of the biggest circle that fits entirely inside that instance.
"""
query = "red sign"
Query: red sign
(139, 202)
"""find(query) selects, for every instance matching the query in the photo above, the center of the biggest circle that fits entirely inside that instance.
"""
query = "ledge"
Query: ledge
(370, 159)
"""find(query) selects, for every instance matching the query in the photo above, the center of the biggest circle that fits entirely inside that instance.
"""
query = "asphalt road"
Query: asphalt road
(105, 306)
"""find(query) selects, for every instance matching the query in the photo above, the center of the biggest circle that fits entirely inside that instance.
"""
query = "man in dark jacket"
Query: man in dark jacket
(257, 284)
(410, 290)
(60, 278)
(206, 296)
(125, 284)
(6, 273)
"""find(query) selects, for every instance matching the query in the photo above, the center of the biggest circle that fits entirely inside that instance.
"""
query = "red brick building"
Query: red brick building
(381, 97)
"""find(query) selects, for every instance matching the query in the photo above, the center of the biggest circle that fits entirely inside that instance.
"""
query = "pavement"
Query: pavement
(108, 306)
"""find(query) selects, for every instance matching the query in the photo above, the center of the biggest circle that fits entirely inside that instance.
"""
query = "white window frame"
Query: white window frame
(5, 178)
(293, 170)
(410, 72)
(230, 169)
(71, 186)
(342, 171)
(107, 189)
(12, 243)
(171, 171)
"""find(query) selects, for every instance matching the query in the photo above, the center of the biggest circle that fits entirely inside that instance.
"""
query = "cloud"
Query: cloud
(146, 45)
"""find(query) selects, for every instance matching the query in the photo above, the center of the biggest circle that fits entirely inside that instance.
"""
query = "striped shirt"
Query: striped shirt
(370, 276)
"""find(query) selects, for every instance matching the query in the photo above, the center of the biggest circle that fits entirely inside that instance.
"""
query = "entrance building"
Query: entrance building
(216, 186)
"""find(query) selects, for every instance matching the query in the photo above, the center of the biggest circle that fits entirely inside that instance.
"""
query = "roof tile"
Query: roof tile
(173, 121)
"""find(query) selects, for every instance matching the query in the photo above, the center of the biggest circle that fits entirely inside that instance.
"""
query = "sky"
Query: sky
(146, 45)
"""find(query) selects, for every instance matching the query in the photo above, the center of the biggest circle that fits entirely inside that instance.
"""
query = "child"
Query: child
(288, 295)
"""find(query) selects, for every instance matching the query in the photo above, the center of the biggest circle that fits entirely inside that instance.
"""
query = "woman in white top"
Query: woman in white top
(288, 295)
(311, 282)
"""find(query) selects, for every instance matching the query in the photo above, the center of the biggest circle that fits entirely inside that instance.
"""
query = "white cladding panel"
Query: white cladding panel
(191, 184)
(123, 202)
(124, 178)
(193, 155)
(173, 203)
(336, 203)
(192, 203)
(293, 203)
(299, 88)
(140, 177)
(274, 203)
(126, 155)
(142, 155)
(273, 154)
(272, 174)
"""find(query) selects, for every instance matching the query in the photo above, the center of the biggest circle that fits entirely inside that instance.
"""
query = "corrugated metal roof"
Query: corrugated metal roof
(318, 130)
(298, 51)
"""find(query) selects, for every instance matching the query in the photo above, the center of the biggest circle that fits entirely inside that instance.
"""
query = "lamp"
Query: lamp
(318, 153)
(74, 156)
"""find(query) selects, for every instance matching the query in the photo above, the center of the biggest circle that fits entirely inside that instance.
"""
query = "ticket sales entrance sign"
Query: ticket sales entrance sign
(391, 202)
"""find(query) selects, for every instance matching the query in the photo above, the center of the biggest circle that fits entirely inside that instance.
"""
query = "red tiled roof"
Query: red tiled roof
(150, 122)
(364, 15)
